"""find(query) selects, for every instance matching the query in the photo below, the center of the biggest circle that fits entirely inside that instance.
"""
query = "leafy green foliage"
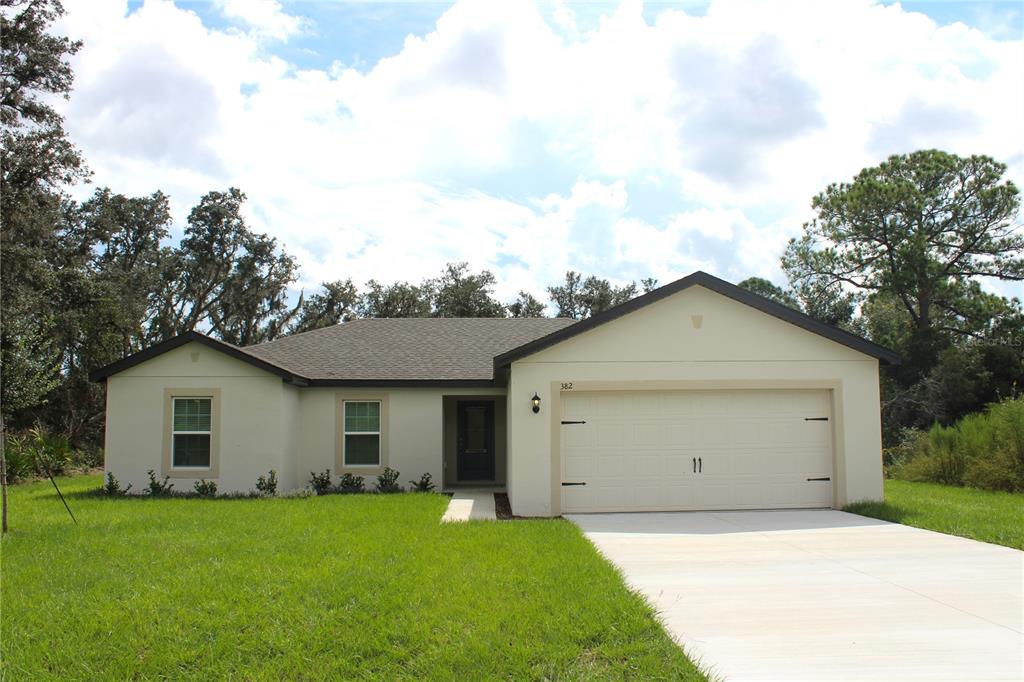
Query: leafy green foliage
(37, 163)
(350, 483)
(38, 451)
(984, 515)
(400, 299)
(459, 293)
(387, 482)
(225, 275)
(156, 487)
(204, 488)
(526, 306)
(112, 487)
(396, 613)
(424, 485)
(917, 228)
(320, 483)
(983, 450)
(334, 305)
(773, 292)
(267, 485)
(580, 298)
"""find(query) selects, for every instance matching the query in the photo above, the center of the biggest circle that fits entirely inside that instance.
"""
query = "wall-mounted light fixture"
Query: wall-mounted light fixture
(536, 403)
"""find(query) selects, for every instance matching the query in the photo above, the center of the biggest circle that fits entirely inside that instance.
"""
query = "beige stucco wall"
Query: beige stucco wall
(415, 430)
(662, 346)
(266, 424)
(256, 416)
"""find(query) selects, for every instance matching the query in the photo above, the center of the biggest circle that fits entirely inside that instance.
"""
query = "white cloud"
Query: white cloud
(515, 139)
(265, 17)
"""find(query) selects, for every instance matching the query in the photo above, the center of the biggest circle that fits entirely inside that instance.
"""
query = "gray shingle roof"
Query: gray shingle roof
(408, 349)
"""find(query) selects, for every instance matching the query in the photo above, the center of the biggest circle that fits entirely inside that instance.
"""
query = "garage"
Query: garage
(695, 450)
(697, 396)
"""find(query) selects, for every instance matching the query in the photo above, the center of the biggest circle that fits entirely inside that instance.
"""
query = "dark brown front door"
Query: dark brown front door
(475, 460)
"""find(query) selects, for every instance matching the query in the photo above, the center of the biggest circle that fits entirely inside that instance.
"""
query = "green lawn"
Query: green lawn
(979, 514)
(367, 587)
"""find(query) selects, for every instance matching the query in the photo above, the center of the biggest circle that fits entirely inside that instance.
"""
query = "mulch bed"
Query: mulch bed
(502, 508)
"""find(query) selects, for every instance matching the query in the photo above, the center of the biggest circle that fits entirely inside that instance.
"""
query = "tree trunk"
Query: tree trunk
(3, 470)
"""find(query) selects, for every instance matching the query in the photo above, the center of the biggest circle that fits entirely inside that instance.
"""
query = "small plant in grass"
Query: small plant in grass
(387, 482)
(424, 485)
(205, 488)
(267, 485)
(320, 483)
(157, 488)
(350, 483)
(113, 486)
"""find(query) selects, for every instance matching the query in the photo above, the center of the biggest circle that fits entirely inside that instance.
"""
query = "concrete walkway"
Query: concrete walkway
(471, 505)
(822, 595)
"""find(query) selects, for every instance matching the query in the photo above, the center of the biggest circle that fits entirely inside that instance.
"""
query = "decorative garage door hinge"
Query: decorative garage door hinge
(815, 419)
(823, 478)
(573, 422)
(573, 483)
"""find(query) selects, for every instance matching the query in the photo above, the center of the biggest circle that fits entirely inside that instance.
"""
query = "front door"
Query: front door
(475, 459)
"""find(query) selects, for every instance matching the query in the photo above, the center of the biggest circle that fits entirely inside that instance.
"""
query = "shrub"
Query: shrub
(424, 485)
(387, 482)
(267, 485)
(205, 488)
(113, 487)
(20, 458)
(983, 450)
(351, 484)
(157, 488)
(320, 483)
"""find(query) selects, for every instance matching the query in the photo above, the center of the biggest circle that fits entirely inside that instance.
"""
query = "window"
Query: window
(191, 432)
(362, 432)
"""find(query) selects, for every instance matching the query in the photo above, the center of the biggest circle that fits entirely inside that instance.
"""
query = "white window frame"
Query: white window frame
(174, 402)
(345, 433)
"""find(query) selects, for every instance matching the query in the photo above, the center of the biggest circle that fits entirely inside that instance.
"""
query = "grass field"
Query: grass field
(366, 587)
(979, 514)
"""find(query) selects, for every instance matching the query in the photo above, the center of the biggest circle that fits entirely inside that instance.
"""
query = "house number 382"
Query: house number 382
(566, 385)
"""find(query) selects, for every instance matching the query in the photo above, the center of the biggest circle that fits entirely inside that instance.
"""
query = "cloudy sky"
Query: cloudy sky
(625, 140)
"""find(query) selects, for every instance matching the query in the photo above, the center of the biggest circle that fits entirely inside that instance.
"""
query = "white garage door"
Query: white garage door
(680, 450)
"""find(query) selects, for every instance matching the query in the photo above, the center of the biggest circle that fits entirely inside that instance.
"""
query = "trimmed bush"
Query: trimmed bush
(320, 483)
(204, 488)
(424, 485)
(157, 488)
(387, 482)
(113, 486)
(267, 485)
(350, 483)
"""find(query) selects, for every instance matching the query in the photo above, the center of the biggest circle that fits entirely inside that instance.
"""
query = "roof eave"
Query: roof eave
(719, 286)
(103, 373)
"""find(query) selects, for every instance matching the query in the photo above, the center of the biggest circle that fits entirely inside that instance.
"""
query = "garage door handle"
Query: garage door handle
(700, 465)
(823, 478)
(694, 465)
(573, 483)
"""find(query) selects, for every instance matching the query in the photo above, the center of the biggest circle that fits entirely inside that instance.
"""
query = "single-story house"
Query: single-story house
(698, 395)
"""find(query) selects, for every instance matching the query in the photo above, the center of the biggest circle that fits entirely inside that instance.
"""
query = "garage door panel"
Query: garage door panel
(637, 450)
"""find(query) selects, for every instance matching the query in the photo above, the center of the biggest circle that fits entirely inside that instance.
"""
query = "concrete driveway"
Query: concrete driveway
(822, 595)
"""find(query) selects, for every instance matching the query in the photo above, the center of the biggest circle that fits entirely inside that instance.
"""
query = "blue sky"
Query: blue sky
(628, 140)
(361, 33)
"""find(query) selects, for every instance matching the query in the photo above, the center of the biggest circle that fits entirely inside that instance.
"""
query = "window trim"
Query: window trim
(345, 432)
(357, 396)
(168, 468)
(175, 432)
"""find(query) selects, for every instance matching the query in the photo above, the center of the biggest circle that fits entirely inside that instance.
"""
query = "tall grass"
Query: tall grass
(982, 450)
